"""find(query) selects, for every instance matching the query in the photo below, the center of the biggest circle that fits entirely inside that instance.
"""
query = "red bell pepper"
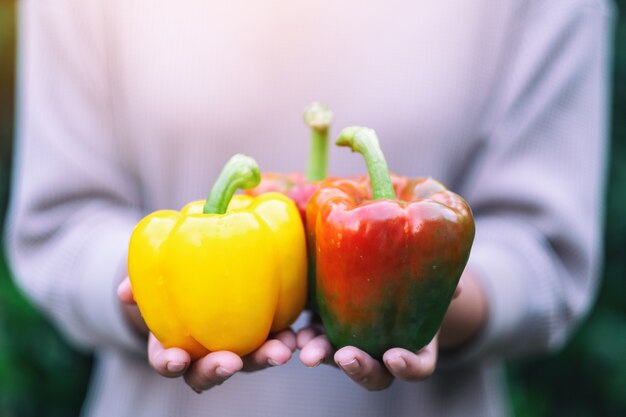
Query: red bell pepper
(298, 186)
(388, 261)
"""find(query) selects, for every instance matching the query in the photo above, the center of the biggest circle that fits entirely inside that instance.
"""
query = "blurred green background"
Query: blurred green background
(41, 376)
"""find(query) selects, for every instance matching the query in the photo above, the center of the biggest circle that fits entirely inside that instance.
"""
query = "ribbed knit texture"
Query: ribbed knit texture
(126, 107)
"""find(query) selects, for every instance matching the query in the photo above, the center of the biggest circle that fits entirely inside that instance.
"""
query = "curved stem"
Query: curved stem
(319, 119)
(240, 171)
(364, 141)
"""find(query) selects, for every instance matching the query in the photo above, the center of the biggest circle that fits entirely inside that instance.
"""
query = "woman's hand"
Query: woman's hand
(366, 371)
(403, 364)
(214, 368)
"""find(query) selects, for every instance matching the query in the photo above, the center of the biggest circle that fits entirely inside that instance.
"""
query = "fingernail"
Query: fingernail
(196, 390)
(396, 364)
(272, 362)
(223, 372)
(318, 353)
(351, 367)
(176, 366)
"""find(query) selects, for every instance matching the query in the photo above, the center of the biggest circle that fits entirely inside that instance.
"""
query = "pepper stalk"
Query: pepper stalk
(319, 119)
(240, 172)
(365, 141)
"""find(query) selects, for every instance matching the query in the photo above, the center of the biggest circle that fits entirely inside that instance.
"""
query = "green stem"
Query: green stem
(364, 141)
(240, 171)
(319, 119)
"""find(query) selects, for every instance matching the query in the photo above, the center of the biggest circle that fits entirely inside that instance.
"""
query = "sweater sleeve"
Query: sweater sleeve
(538, 185)
(74, 200)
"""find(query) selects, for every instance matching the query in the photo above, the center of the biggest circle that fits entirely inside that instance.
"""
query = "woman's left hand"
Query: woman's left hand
(370, 373)
(366, 371)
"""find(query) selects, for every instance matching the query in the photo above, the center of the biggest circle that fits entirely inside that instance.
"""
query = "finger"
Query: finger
(212, 369)
(133, 315)
(409, 366)
(308, 333)
(171, 362)
(316, 351)
(288, 338)
(125, 292)
(305, 335)
(363, 369)
(272, 353)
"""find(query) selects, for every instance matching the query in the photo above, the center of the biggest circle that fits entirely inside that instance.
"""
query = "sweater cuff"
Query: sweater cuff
(101, 268)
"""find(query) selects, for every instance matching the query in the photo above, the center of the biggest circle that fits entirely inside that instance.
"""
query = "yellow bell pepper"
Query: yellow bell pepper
(206, 279)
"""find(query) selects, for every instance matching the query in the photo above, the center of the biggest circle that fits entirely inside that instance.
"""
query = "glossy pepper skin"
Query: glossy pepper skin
(294, 185)
(387, 265)
(205, 280)
(328, 189)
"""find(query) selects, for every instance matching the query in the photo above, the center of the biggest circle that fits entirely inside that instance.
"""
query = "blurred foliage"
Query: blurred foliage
(7, 71)
(41, 376)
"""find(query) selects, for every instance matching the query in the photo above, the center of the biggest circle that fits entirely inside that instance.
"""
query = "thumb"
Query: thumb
(125, 292)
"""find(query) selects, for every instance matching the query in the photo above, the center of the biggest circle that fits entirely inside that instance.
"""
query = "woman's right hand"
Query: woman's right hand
(214, 368)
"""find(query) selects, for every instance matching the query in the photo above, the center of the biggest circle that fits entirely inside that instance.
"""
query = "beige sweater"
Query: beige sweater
(130, 106)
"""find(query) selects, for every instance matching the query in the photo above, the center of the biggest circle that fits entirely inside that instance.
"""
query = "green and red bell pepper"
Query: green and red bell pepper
(388, 260)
